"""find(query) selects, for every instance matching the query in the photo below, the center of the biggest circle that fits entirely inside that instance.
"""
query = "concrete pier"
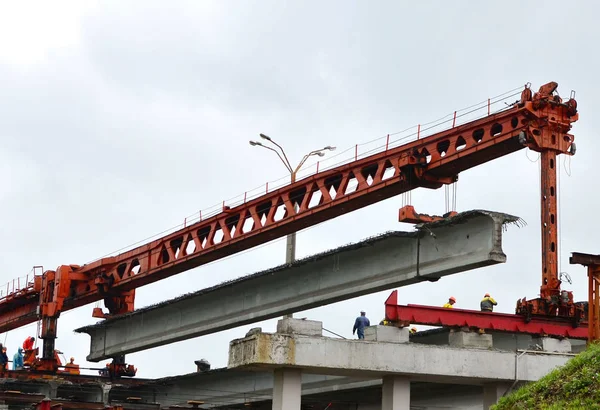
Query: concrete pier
(388, 354)
(395, 393)
(287, 388)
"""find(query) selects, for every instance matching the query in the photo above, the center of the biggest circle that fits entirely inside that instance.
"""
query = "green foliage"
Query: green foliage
(576, 385)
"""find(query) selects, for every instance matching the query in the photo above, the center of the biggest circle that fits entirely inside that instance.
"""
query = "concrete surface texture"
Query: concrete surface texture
(493, 392)
(472, 340)
(500, 341)
(468, 241)
(234, 389)
(364, 358)
(287, 389)
(395, 393)
(385, 334)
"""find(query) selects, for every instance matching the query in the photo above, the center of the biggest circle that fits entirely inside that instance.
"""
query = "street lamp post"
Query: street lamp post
(290, 250)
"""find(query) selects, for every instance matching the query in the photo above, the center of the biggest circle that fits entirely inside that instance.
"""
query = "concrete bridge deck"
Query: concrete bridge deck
(387, 353)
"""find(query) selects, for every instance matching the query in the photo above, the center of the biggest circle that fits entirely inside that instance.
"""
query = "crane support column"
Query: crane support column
(546, 132)
(550, 282)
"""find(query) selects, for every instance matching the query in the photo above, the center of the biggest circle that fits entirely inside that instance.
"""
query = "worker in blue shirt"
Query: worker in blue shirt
(359, 325)
(18, 359)
(3, 359)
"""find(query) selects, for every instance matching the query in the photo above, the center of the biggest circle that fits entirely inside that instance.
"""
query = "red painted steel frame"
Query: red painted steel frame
(592, 262)
(540, 122)
(438, 316)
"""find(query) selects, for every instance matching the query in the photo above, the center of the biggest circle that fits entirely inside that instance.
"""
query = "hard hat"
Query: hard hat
(487, 295)
(453, 299)
(413, 329)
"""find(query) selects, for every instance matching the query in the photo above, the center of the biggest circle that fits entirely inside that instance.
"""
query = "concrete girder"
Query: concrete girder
(468, 241)
(236, 387)
(224, 388)
(360, 358)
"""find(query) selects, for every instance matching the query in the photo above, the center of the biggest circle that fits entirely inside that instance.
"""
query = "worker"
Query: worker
(451, 301)
(28, 343)
(385, 322)
(29, 353)
(359, 325)
(105, 371)
(413, 330)
(71, 367)
(488, 303)
(4, 359)
(18, 359)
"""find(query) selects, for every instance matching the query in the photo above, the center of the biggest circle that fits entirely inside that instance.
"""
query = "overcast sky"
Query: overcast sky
(118, 120)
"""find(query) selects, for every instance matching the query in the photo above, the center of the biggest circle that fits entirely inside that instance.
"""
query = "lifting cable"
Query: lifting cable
(450, 196)
(327, 330)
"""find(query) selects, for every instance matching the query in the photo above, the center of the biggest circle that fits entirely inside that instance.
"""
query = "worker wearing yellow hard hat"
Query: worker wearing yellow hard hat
(451, 301)
(488, 303)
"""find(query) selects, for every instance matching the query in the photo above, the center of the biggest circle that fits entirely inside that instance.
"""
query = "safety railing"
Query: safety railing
(22, 284)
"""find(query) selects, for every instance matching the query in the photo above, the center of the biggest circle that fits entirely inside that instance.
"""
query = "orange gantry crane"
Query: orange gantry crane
(540, 121)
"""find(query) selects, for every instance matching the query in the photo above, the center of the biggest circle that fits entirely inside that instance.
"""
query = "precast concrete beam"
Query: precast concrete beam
(467, 241)
(360, 358)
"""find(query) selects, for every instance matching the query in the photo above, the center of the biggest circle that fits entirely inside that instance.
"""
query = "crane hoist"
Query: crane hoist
(540, 121)
(547, 133)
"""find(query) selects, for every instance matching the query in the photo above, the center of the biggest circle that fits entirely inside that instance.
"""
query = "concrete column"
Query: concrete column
(53, 389)
(106, 393)
(395, 393)
(287, 389)
(492, 392)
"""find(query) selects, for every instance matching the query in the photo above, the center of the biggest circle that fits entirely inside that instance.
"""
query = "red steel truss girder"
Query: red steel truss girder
(428, 162)
(438, 316)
